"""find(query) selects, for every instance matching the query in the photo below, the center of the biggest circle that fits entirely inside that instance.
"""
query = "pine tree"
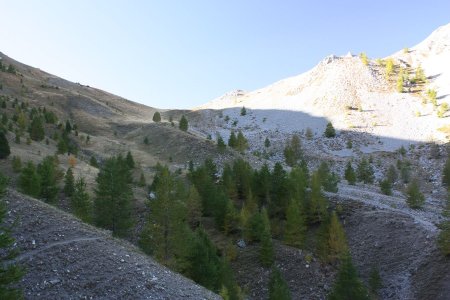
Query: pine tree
(348, 285)
(220, 143)
(69, 183)
(4, 146)
(194, 208)
(392, 174)
(318, 203)
(130, 160)
(16, 164)
(231, 218)
(329, 180)
(243, 111)
(267, 142)
(375, 281)
(49, 178)
(278, 288)
(365, 171)
(241, 142)
(386, 187)
(80, 201)
(232, 141)
(183, 123)
(68, 127)
(93, 162)
(294, 234)
(10, 273)
(337, 243)
(156, 117)
(142, 182)
(112, 204)
(266, 253)
(37, 129)
(29, 181)
(330, 132)
(415, 199)
(293, 151)
(350, 174)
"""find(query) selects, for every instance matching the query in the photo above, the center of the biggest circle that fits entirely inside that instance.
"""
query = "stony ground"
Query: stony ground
(67, 259)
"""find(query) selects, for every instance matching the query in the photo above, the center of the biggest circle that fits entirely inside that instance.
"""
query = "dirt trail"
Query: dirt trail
(67, 259)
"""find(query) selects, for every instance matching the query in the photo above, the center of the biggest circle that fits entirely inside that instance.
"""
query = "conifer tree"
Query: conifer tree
(156, 117)
(294, 234)
(415, 199)
(267, 142)
(48, 179)
(69, 183)
(37, 129)
(350, 174)
(329, 180)
(29, 181)
(232, 141)
(130, 160)
(386, 187)
(266, 253)
(365, 171)
(194, 208)
(318, 203)
(93, 162)
(389, 67)
(142, 181)
(444, 235)
(10, 273)
(243, 111)
(80, 201)
(446, 174)
(293, 151)
(183, 123)
(262, 185)
(375, 281)
(112, 204)
(220, 143)
(4, 146)
(68, 127)
(16, 164)
(330, 132)
(337, 243)
(297, 185)
(231, 218)
(392, 174)
(278, 288)
(278, 195)
(348, 285)
(241, 142)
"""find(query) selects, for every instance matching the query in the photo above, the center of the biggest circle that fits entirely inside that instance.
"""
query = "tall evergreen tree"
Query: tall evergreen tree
(365, 171)
(330, 132)
(80, 201)
(293, 151)
(29, 181)
(329, 180)
(444, 235)
(350, 174)
(415, 199)
(113, 201)
(49, 178)
(183, 123)
(386, 186)
(10, 273)
(318, 203)
(194, 208)
(241, 142)
(266, 253)
(69, 183)
(37, 132)
(294, 234)
(130, 160)
(4, 146)
(220, 143)
(278, 288)
(278, 195)
(232, 141)
(337, 243)
(348, 285)
(156, 117)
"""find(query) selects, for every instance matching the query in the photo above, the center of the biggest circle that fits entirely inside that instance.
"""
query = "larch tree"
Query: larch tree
(350, 174)
(266, 252)
(80, 201)
(278, 288)
(47, 172)
(29, 181)
(69, 181)
(295, 230)
(337, 242)
(318, 203)
(113, 201)
(415, 199)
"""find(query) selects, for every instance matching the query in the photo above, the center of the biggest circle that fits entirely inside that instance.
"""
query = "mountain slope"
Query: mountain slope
(358, 97)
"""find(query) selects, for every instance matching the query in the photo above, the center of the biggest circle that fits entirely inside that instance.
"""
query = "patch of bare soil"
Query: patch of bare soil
(67, 259)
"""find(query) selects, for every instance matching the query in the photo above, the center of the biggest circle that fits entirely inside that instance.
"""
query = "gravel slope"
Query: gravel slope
(67, 259)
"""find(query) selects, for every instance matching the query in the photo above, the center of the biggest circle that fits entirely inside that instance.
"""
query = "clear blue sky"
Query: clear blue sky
(179, 54)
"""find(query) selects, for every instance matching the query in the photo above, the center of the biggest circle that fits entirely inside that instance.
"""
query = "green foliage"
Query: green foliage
(10, 273)
(400, 83)
(142, 181)
(337, 242)
(130, 160)
(220, 143)
(444, 235)
(364, 58)
(232, 141)
(241, 142)
(93, 162)
(389, 69)
(69, 183)
(29, 180)
(183, 125)
(365, 171)
(330, 132)
(243, 111)
(267, 142)
(112, 204)
(278, 288)
(68, 127)
(350, 174)
(392, 174)
(295, 230)
(194, 208)
(348, 285)
(266, 252)
(156, 117)
(420, 75)
(293, 151)
(5, 151)
(375, 281)
(442, 110)
(415, 199)
(80, 201)
(386, 187)
(146, 141)
(48, 175)
(16, 164)
(318, 204)
(309, 133)
(329, 180)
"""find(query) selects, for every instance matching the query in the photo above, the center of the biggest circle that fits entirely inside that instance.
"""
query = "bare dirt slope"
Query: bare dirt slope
(67, 259)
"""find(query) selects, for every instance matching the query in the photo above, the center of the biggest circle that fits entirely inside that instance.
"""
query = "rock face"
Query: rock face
(67, 259)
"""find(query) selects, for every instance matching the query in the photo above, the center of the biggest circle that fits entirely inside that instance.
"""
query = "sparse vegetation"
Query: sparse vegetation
(415, 199)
